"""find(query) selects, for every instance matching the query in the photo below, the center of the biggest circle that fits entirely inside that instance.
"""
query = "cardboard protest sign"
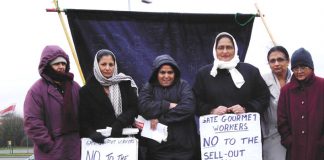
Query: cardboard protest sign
(112, 149)
(231, 137)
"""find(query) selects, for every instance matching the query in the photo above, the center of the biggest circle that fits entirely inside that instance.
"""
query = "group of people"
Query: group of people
(57, 112)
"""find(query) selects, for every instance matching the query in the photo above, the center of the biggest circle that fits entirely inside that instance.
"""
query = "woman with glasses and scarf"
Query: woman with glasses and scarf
(278, 59)
(301, 110)
(109, 99)
(228, 85)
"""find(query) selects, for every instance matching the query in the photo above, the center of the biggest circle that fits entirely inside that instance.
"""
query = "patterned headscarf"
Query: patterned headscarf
(112, 82)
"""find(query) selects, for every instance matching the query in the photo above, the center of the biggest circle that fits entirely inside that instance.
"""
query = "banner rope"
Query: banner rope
(246, 22)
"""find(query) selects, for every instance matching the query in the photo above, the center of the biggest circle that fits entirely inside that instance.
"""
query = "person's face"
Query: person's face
(166, 75)
(301, 72)
(278, 63)
(59, 67)
(225, 49)
(107, 66)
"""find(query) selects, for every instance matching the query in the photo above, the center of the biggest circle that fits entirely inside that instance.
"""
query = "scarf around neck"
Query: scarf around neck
(69, 117)
(112, 83)
(230, 65)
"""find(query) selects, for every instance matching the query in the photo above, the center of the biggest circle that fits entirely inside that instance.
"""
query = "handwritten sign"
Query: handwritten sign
(112, 149)
(230, 137)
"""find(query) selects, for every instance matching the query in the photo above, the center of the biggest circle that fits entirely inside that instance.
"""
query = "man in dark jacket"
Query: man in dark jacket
(50, 109)
(168, 99)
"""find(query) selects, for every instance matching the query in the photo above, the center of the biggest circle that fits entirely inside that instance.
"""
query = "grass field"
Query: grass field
(16, 151)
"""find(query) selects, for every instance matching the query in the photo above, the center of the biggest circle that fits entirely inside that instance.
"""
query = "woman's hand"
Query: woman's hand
(220, 110)
(154, 123)
(237, 109)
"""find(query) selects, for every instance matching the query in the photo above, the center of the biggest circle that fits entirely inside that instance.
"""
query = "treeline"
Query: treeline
(12, 131)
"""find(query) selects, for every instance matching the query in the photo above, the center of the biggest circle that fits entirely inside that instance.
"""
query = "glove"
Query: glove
(116, 129)
(97, 137)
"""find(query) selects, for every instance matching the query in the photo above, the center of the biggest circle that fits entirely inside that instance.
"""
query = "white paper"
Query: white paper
(126, 131)
(159, 134)
(231, 136)
(130, 131)
(111, 149)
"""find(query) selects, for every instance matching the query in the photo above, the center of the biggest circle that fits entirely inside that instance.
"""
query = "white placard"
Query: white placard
(112, 149)
(231, 137)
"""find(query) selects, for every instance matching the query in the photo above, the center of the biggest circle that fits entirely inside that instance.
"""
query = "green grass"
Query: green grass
(6, 148)
(8, 154)
(15, 154)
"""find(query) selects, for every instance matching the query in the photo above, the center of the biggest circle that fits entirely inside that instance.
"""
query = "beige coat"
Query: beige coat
(272, 148)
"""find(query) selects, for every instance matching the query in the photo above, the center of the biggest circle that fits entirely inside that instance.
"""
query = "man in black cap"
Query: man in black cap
(301, 110)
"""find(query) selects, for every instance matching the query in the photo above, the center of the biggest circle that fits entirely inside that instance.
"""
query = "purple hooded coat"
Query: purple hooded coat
(42, 114)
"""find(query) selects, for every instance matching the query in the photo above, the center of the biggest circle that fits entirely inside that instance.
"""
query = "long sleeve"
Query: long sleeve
(149, 107)
(34, 121)
(184, 108)
(202, 106)
(130, 105)
(283, 120)
(85, 115)
(155, 102)
(260, 96)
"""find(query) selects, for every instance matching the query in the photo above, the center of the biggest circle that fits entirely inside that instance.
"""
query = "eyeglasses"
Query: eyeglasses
(225, 47)
(299, 68)
(279, 60)
(166, 72)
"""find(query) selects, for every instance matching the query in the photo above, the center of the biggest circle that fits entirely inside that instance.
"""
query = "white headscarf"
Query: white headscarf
(112, 82)
(230, 65)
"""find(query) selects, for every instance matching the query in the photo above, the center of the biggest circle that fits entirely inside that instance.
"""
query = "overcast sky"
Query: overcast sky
(26, 28)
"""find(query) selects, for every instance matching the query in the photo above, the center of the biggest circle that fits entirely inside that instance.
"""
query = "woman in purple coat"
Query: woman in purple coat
(301, 110)
(50, 109)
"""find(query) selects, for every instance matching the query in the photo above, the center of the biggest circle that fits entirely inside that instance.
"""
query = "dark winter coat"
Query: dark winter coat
(212, 92)
(42, 115)
(301, 118)
(154, 102)
(96, 110)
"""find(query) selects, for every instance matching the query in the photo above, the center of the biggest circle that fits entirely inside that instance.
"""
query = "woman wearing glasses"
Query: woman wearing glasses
(228, 85)
(168, 99)
(278, 59)
(301, 110)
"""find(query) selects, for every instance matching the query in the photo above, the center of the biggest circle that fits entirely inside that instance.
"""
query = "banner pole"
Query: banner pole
(265, 24)
(69, 41)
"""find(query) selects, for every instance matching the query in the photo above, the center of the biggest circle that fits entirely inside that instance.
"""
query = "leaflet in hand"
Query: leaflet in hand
(159, 134)
(126, 131)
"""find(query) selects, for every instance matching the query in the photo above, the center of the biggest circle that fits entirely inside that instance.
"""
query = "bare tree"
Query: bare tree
(11, 129)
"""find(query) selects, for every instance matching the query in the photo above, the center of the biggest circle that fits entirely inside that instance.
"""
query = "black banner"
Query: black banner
(138, 37)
